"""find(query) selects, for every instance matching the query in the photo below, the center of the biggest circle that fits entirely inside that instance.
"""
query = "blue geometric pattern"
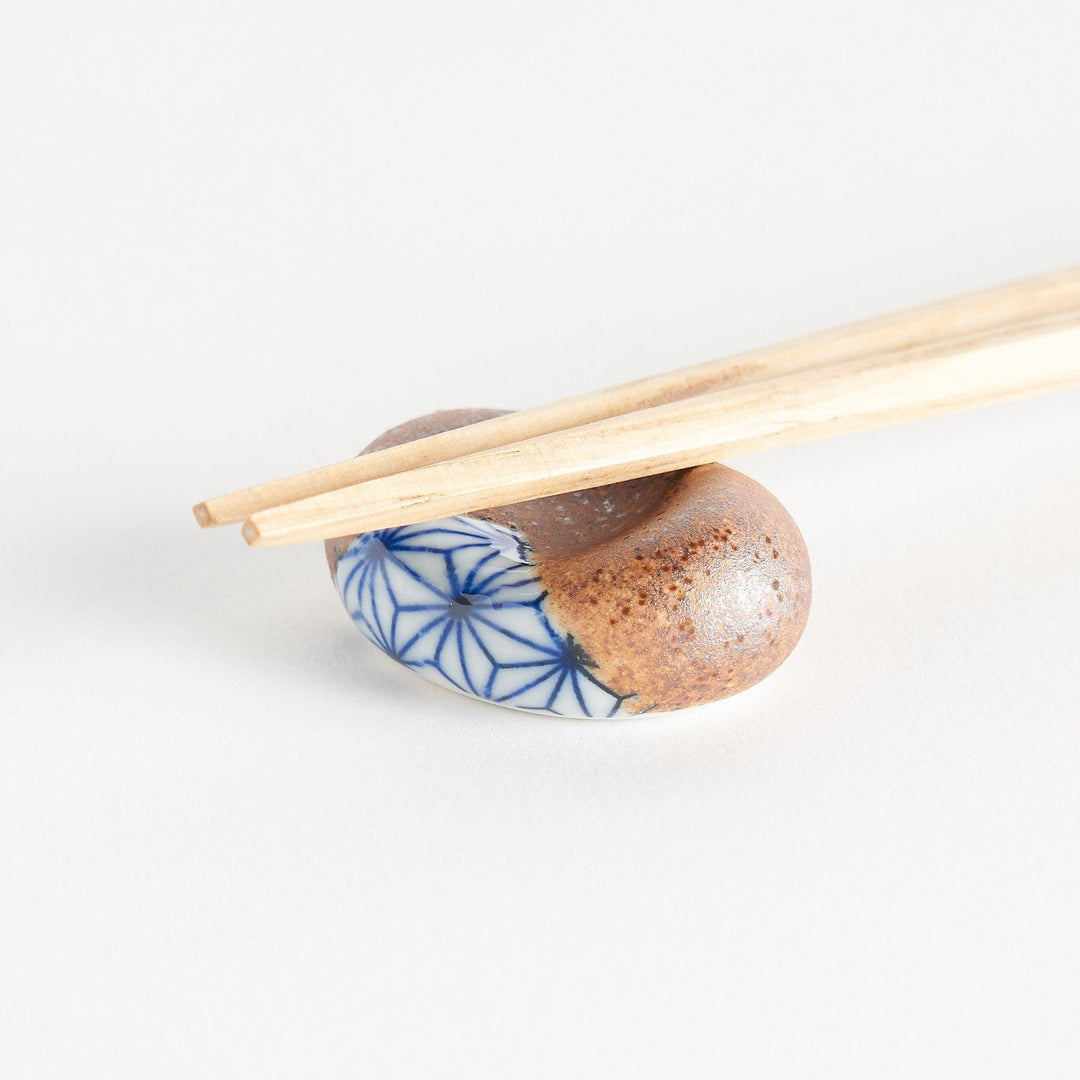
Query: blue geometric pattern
(460, 602)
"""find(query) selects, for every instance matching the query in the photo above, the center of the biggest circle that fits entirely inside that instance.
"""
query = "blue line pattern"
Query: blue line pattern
(460, 601)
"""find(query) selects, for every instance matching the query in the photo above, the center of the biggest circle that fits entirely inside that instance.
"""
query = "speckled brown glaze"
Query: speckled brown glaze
(681, 588)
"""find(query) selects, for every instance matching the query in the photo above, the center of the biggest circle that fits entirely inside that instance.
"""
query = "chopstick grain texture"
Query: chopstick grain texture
(986, 367)
(1033, 298)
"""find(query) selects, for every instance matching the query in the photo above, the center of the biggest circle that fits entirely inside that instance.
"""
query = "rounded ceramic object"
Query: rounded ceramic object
(651, 595)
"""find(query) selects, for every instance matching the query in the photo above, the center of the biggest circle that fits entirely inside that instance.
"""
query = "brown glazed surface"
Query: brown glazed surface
(682, 588)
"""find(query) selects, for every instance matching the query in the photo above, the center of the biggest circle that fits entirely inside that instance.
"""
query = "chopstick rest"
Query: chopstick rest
(653, 594)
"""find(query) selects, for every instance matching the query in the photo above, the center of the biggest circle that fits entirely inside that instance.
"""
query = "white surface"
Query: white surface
(239, 240)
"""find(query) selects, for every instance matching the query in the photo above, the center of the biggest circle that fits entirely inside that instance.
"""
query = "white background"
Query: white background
(237, 240)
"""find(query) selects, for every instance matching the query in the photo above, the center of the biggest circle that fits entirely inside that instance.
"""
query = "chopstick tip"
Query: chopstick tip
(251, 533)
(202, 514)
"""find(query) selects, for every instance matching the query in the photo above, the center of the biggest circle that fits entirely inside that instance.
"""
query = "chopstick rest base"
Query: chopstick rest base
(651, 595)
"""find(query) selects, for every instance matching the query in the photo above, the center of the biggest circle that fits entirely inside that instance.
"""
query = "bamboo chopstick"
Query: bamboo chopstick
(1036, 297)
(1002, 363)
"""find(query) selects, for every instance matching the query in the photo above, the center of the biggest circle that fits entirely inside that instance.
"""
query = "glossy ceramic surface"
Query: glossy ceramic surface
(460, 602)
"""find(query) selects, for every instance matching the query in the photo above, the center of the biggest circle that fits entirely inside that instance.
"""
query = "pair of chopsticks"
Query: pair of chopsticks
(989, 347)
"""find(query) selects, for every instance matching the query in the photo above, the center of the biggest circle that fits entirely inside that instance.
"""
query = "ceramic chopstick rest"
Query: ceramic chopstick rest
(650, 595)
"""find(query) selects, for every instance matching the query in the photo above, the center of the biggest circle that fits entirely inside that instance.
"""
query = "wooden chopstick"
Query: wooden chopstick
(1002, 363)
(1036, 297)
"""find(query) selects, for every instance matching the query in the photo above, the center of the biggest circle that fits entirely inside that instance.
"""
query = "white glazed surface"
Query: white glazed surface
(460, 602)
